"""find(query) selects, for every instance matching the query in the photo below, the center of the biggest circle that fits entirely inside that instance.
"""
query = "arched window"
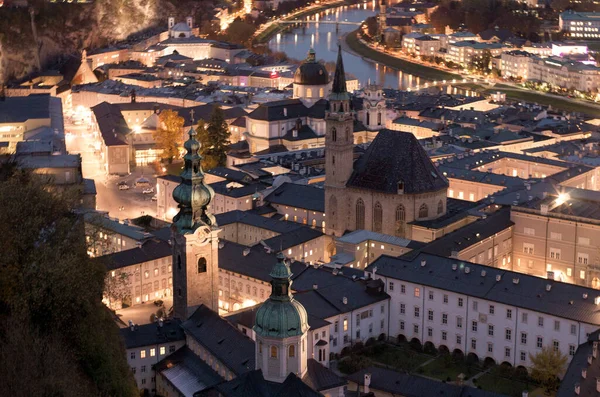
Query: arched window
(314, 223)
(202, 265)
(323, 225)
(292, 351)
(440, 207)
(309, 92)
(400, 218)
(273, 351)
(349, 135)
(260, 347)
(377, 217)
(360, 214)
(332, 210)
(321, 92)
(379, 118)
(423, 211)
(333, 134)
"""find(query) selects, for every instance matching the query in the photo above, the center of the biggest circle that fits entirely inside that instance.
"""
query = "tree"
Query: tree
(168, 135)
(240, 32)
(372, 26)
(546, 366)
(117, 289)
(214, 139)
(52, 320)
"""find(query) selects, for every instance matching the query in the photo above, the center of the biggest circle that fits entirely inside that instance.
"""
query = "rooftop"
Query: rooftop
(152, 334)
(298, 196)
(22, 108)
(568, 301)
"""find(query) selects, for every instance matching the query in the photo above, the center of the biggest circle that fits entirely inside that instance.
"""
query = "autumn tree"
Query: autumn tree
(546, 366)
(168, 135)
(214, 139)
(56, 335)
(240, 32)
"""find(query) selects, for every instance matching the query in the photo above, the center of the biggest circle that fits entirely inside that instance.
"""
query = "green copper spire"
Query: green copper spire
(281, 316)
(192, 194)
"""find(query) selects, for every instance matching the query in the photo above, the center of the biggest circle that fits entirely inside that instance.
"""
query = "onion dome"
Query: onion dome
(281, 316)
(192, 194)
(311, 72)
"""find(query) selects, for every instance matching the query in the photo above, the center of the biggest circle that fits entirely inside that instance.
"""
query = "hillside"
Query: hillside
(67, 28)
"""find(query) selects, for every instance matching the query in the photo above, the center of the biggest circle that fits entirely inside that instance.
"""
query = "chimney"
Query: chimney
(315, 286)
(131, 325)
(345, 300)
(295, 132)
(525, 394)
(285, 112)
(171, 22)
(190, 22)
(367, 382)
(544, 209)
(590, 358)
(423, 262)
(160, 322)
(584, 373)
(577, 389)
(598, 385)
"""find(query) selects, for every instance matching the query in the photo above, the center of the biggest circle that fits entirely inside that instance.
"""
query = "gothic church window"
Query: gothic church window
(333, 134)
(423, 211)
(400, 217)
(377, 217)
(360, 214)
(440, 207)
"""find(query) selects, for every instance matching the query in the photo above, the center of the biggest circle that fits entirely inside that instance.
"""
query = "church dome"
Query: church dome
(181, 27)
(311, 72)
(281, 316)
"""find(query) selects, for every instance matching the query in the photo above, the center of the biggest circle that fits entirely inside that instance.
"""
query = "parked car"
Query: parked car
(142, 182)
(148, 191)
(123, 186)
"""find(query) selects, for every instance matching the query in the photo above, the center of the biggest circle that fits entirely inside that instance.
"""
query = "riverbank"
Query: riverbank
(415, 69)
(275, 28)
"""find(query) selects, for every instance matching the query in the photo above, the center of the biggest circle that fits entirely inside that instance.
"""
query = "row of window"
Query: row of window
(378, 214)
(444, 334)
(162, 351)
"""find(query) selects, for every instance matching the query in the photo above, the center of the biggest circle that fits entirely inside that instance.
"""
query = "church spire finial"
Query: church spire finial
(338, 88)
(192, 194)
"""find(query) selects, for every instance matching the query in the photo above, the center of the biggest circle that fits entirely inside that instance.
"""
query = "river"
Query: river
(324, 39)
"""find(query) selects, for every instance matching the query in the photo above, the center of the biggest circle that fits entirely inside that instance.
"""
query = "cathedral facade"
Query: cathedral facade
(392, 184)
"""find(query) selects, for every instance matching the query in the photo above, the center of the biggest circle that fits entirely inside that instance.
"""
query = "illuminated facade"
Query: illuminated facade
(583, 25)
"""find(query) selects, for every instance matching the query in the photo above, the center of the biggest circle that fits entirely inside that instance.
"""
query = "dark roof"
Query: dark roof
(392, 157)
(471, 234)
(298, 196)
(502, 34)
(305, 132)
(223, 188)
(111, 123)
(149, 250)
(530, 292)
(186, 372)
(203, 112)
(230, 174)
(319, 377)
(393, 382)
(294, 108)
(254, 384)
(296, 237)
(152, 334)
(221, 339)
(250, 218)
(573, 376)
(311, 72)
(19, 109)
(339, 78)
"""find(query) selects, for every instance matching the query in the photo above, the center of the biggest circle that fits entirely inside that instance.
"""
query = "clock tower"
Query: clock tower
(194, 239)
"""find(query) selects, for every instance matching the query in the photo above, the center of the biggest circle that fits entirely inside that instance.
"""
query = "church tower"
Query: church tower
(281, 327)
(194, 239)
(339, 149)
(382, 18)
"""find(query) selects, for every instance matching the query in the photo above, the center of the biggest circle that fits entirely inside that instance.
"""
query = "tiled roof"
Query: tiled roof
(573, 377)
(319, 377)
(150, 250)
(393, 157)
(221, 339)
(111, 123)
(152, 334)
(23, 108)
(389, 381)
(224, 188)
(288, 109)
(298, 196)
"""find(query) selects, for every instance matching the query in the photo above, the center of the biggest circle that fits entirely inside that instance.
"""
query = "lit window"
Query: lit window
(143, 354)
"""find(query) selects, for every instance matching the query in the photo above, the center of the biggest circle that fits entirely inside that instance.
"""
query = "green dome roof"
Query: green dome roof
(281, 319)
(281, 316)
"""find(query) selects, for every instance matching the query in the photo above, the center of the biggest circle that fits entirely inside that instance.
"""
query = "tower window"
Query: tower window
(202, 265)
(273, 351)
(440, 207)
(178, 262)
(179, 292)
(195, 168)
(333, 134)
(292, 351)
(400, 187)
(332, 160)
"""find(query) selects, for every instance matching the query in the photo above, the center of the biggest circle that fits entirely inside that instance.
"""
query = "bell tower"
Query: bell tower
(339, 149)
(194, 239)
